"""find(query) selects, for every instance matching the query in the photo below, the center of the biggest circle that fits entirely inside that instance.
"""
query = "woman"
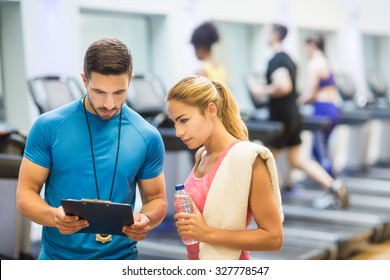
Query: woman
(203, 39)
(232, 181)
(322, 93)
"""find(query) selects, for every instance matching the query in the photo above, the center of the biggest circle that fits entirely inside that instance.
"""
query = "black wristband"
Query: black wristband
(145, 215)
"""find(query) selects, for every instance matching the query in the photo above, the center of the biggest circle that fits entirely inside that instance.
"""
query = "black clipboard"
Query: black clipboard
(104, 217)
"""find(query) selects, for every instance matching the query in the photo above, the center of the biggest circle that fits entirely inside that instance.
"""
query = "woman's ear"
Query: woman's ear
(212, 109)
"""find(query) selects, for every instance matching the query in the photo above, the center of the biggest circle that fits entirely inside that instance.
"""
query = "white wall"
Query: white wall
(50, 37)
(13, 77)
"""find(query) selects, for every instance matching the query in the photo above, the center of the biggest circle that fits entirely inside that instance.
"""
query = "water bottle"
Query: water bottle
(183, 203)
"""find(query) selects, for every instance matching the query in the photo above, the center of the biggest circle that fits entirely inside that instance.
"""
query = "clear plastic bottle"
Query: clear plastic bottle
(183, 203)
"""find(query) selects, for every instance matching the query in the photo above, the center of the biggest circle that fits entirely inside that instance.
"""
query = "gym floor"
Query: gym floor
(374, 252)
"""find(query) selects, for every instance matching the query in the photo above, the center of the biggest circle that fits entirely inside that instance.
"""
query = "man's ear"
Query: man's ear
(84, 78)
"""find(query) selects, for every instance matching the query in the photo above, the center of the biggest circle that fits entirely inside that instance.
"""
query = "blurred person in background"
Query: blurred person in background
(322, 93)
(203, 38)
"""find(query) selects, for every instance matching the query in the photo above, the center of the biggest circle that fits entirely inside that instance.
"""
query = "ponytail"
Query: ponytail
(229, 112)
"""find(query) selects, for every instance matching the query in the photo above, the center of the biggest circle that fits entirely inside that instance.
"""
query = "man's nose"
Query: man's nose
(109, 102)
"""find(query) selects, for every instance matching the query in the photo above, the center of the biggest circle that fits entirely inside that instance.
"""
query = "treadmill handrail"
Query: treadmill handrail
(331, 215)
(9, 166)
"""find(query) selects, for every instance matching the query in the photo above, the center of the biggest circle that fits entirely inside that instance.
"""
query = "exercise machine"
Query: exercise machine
(14, 228)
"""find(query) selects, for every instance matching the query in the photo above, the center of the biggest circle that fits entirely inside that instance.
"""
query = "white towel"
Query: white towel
(227, 201)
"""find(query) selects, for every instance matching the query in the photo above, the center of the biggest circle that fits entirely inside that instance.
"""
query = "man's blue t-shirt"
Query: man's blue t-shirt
(59, 140)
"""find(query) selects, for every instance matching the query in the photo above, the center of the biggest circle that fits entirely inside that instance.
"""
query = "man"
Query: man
(95, 148)
(281, 90)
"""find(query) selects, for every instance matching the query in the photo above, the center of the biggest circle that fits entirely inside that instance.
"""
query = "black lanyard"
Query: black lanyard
(93, 155)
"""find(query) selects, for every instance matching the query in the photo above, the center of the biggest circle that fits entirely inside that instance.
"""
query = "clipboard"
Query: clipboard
(104, 217)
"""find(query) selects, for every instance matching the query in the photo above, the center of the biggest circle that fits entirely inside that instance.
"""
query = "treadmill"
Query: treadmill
(14, 228)
(369, 186)
(378, 109)
(50, 92)
(11, 140)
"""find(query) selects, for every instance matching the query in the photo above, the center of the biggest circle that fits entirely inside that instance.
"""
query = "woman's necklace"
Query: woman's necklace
(103, 238)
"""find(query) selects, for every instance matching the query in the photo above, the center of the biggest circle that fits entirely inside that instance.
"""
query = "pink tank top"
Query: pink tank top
(198, 188)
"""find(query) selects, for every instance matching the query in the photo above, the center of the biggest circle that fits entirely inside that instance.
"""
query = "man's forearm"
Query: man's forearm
(155, 210)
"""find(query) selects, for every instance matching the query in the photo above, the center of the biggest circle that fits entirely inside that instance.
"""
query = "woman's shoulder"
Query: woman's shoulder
(249, 151)
(318, 62)
(250, 146)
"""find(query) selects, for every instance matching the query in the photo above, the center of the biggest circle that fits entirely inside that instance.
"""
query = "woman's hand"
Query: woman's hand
(192, 225)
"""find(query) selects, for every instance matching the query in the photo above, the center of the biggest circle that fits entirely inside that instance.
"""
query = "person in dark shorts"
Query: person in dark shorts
(281, 90)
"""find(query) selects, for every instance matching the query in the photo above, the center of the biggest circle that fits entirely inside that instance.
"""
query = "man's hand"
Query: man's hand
(68, 224)
(139, 229)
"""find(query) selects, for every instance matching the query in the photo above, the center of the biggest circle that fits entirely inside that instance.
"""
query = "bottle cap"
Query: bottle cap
(179, 187)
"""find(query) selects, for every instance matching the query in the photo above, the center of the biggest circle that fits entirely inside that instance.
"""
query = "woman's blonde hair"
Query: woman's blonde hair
(199, 91)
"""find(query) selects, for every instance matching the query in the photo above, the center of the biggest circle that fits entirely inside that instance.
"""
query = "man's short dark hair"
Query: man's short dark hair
(280, 30)
(108, 57)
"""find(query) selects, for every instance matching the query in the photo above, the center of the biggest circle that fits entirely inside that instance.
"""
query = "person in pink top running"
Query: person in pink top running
(206, 116)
